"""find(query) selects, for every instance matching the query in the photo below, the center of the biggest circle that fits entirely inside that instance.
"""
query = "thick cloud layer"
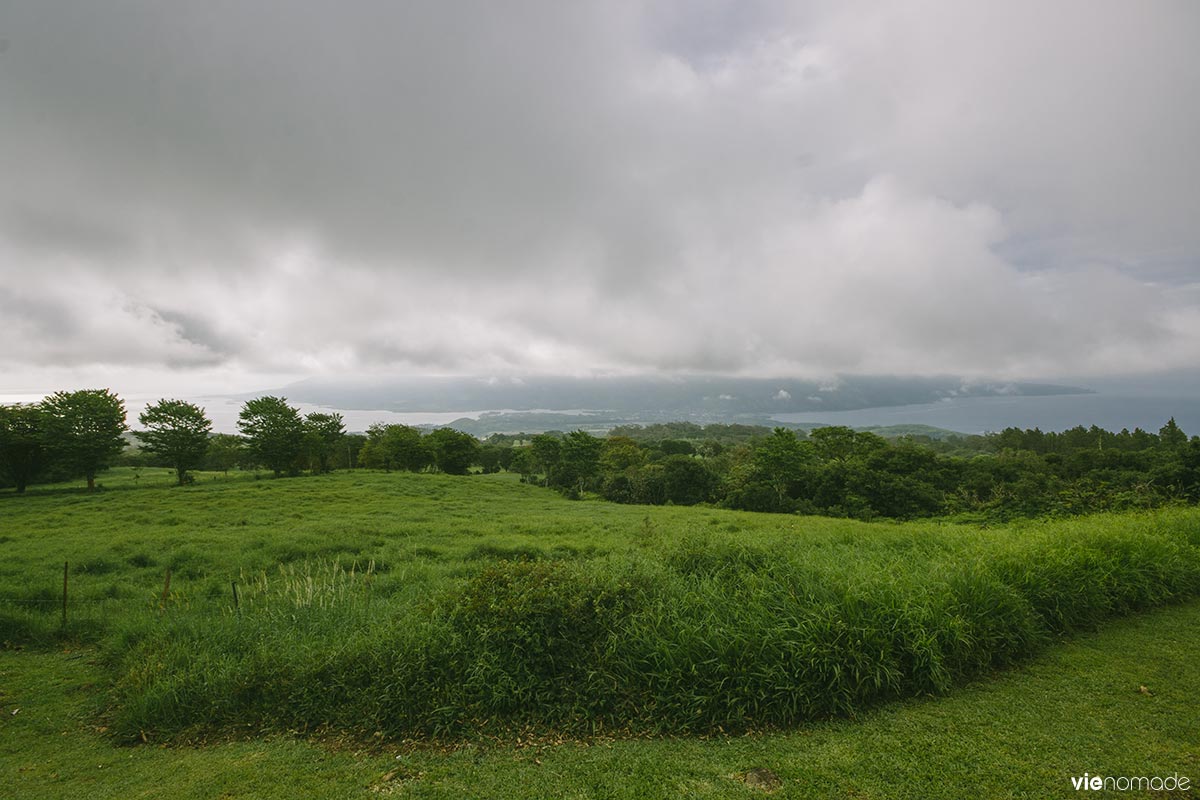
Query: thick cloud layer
(233, 190)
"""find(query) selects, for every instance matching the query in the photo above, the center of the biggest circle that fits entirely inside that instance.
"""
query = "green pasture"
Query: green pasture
(474, 615)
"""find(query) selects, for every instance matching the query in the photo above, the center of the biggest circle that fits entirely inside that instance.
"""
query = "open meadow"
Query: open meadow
(450, 632)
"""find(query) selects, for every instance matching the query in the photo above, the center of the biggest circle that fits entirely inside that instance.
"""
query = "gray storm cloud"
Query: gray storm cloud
(268, 187)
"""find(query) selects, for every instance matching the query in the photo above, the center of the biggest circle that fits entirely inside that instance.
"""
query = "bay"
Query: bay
(1054, 413)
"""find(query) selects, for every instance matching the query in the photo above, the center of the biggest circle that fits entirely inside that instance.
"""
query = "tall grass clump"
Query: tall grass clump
(704, 631)
(309, 650)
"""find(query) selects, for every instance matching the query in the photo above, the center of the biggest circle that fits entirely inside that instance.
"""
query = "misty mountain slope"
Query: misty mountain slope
(691, 396)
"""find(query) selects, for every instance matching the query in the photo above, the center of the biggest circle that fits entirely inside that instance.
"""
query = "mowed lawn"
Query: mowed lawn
(1119, 701)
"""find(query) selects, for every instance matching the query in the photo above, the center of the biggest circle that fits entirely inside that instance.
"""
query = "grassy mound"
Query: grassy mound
(712, 629)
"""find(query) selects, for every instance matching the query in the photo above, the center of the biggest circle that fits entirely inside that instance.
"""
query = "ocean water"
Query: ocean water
(1057, 413)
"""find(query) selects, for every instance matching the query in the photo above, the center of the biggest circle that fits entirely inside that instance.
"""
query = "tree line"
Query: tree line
(838, 471)
(78, 434)
(835, 471)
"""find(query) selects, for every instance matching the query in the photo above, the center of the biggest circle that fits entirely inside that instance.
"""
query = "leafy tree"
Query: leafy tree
(398, 446)
(178, 432)
(322, 435)
(677, 447)
(1171, 436)
(686, 480)
(274, 433)
(780, 461)
(619, 488)
(22, 440)
(411, 450)
(225, 451)
(453, 451)
(506, 457)
(839, 443)
(619, 453)
(348, 453)
(649, 484)
(547, 451)
(525, 463)
(1143, 440)
(83, 430)
(372, 455)
(579, 461)
(489, 457)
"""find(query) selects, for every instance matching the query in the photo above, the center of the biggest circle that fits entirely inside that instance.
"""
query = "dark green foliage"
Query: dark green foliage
(274, 433)
(676, 447)
(525, 463)
(545, 451)
(838, 443)
(1171, 436)
(650, 485)
(225, 451)
(177, 432)
(395, 447)
(619, 453)
(578, 462)
(83, 430)
(453, 451)
(22, 444)
(323, 434)
(490, 458)
(687, 480)
(838, 471)
(782, 462)
(347, 456)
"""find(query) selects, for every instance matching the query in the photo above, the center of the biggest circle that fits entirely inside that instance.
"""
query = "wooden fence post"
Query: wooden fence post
(66, 567)
(235, 596)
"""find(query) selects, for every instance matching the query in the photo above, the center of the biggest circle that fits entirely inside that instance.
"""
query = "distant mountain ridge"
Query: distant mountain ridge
(698, 398)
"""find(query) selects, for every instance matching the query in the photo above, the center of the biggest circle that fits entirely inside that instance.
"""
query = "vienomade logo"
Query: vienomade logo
(1096, 783)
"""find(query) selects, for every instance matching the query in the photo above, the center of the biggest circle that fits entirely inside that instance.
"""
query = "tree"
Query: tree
(178, 431)
(579, 461)
(676, 447)
(84, 428)
(839, 443)
(348, 451)
(225, 451)
(686, 480)
(489, 457)
(322, 435)
(274, 432)
(523, 461)
(1171, 436)
(547, 450)
(22, 444)
(453, 451)
(619, 453)
(399, 446)
(780, 461)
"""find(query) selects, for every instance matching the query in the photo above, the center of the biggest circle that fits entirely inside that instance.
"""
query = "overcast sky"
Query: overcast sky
(220, 196)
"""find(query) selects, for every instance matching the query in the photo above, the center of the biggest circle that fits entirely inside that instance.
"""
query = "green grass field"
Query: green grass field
(494, 619)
